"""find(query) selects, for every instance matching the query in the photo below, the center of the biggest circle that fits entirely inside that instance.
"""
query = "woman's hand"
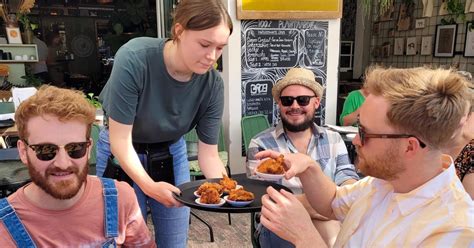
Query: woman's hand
(163, 193)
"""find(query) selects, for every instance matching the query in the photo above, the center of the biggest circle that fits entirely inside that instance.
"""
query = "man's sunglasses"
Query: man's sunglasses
(363, 135)
(301, 100)
(46, 152)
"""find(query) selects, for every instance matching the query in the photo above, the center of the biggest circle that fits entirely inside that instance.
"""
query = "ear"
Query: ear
(178, 30)
(22, 151)
(89, 149)
(413, 146)
(317, 102)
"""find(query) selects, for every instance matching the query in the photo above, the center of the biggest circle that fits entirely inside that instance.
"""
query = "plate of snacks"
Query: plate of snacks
(239, 197)
(256, 187)
(208, 185)
(271, 169)
(210, 205)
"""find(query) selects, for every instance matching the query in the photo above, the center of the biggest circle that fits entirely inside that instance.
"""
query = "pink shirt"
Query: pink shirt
(82, 225)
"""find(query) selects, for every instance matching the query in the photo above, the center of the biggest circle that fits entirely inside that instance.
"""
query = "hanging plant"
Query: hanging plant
(456, 12)
(384, 5)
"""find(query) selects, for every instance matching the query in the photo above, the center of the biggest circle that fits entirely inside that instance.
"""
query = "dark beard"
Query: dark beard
(307, 123)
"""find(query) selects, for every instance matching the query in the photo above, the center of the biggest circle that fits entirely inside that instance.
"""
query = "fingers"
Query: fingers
(266, 154)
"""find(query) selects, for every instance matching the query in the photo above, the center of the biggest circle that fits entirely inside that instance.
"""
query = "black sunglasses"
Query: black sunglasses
(46, 152)
(301, 100)
(363, 135)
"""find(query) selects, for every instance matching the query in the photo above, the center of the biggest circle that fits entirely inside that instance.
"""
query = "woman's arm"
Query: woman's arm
(209, 161)
(122, 148)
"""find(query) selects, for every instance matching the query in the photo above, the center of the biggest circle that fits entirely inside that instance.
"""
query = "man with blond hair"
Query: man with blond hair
(63, 206)
(411, 196)
(298, 96)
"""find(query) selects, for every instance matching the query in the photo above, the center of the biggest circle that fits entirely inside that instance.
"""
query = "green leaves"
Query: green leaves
(94, 100)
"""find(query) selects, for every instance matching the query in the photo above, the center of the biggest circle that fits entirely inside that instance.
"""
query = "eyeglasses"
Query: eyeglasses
(301, 100)
(46, 152)
(363, 135)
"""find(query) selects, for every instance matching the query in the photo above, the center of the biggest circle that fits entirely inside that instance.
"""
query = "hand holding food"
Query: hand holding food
(272, 166)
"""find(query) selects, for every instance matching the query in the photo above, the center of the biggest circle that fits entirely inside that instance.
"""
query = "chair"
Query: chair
(192, 140)
(252, 125)
(95, 130)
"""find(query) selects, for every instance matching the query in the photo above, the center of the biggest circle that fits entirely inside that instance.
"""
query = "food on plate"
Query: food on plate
(210, 196)
(227, 183)
(272, 166)
(207, 185)
(240, 195)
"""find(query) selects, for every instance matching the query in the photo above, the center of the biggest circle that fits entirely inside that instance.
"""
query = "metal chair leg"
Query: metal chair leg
(211, 232)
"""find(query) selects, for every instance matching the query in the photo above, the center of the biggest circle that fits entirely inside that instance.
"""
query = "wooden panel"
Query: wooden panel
(289, 10)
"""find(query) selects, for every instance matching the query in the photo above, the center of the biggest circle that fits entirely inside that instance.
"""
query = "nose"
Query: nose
(211, 55)
(295, 104)
(62, 159)
(356, 140)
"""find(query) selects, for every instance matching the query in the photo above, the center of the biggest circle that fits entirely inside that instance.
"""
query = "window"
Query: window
(347, 54)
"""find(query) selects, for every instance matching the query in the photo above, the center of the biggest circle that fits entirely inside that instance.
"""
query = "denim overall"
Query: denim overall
(23, 239)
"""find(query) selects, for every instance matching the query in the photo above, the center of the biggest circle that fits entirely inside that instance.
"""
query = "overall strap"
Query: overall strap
(14, 225)
(110, 207)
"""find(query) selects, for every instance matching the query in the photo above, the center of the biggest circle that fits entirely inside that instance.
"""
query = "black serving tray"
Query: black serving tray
(257, 187)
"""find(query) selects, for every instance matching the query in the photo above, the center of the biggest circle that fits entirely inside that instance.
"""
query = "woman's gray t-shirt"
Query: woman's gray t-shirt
(141, 92)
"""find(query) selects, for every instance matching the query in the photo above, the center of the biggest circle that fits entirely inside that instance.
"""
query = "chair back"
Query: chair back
(95, 130)
(252, 125)
(7, 107)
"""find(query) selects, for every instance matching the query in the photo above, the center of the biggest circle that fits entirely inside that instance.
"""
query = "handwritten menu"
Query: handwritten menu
(269, 49)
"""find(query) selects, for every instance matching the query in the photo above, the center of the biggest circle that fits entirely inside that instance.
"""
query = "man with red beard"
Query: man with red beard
(411, 196)
(298, 96)
(63, 206)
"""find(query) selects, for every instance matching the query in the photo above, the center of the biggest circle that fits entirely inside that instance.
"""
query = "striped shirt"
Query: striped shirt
(325, 146)
(437, 214)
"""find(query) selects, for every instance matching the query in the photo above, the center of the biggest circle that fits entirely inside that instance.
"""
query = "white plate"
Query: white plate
(197, 195)
(269, 177)
(237, 203)
(221, 202)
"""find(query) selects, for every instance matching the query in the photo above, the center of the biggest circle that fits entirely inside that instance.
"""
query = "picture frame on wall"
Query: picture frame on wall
(426, 45)
(411, 46)
(469, 41)
(445, 40)
(14, 35)
(419, 23)
(398, 46)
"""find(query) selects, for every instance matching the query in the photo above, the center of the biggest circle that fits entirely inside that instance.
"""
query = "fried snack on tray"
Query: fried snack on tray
(272, 166)
(210, 196)
(207, 185)
(240, 195)
(227, 183)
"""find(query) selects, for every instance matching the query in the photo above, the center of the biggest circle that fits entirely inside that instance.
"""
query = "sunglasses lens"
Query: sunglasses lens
(76, 150)
(286, 100)
(303, 100)
(46, 152)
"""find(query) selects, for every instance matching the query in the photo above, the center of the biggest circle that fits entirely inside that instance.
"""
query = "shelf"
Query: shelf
(18, 61)
(17, 67)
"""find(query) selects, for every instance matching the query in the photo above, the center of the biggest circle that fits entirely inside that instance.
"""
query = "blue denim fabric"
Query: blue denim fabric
(103, 151)
(268, 239)
(14, 226)
(171, 224)
(111, 211)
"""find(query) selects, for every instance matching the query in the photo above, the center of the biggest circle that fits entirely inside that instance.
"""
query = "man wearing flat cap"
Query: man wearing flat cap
(298, 96)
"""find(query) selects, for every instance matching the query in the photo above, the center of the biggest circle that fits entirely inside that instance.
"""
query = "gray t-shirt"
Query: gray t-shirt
(141, 92)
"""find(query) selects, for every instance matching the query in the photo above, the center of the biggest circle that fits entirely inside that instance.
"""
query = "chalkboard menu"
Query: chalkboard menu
(269, 49)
